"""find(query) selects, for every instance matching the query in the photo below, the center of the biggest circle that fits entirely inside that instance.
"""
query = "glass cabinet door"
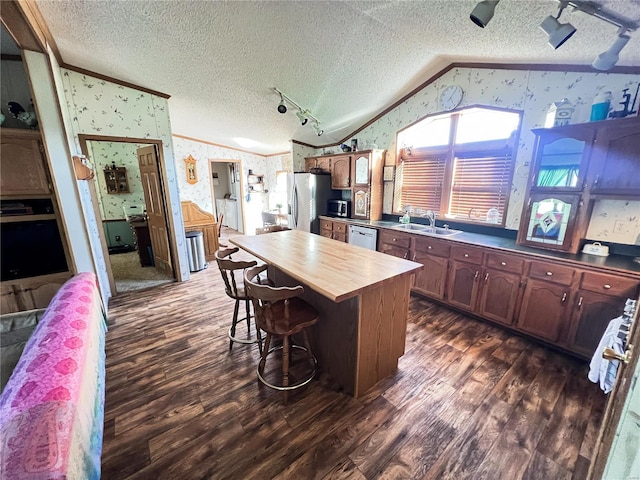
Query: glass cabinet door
(560, 164)
(549, 221)
(362, 170)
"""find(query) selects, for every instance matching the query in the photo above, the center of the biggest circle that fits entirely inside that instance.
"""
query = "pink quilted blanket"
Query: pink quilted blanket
(51, 411)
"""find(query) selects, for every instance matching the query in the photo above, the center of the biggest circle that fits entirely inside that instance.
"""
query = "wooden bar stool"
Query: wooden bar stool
(236, 290)
(280, 312)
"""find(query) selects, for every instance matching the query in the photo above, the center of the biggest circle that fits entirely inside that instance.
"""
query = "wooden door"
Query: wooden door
(432, 278)
(341, 172)
(324, 163)
(158, 230)
(544, 309)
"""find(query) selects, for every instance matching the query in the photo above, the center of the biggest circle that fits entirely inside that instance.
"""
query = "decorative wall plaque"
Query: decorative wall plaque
(192, 173)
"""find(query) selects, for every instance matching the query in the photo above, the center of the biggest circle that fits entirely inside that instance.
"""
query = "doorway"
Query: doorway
(227, 192)
(128, 196)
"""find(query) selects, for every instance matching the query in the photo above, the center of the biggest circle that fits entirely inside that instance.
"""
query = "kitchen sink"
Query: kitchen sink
(427, 230)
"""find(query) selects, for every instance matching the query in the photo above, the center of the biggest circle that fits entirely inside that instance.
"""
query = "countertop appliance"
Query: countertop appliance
(307, 195)
(339, 208)
(363, 236)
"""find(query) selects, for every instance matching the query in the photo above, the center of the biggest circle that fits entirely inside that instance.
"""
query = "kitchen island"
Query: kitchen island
(362, 297)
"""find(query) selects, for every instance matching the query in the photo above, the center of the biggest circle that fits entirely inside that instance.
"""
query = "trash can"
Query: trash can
(195, 251)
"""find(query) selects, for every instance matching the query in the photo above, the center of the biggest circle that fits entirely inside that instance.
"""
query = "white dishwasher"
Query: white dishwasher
(363, 236)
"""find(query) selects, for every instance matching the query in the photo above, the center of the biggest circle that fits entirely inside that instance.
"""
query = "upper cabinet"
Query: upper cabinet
(361, 170)
(573, 166)
(341, 172)
(23, 165)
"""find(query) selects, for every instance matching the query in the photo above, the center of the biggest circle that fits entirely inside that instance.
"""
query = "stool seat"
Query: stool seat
(280, 312)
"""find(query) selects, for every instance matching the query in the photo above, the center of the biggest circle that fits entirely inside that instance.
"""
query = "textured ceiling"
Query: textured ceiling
(345, 61)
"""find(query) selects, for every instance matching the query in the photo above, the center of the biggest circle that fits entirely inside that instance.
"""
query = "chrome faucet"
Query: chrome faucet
(431, 217)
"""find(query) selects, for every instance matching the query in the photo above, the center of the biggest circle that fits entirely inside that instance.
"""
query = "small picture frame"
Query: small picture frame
(388, 173)
(192, 173)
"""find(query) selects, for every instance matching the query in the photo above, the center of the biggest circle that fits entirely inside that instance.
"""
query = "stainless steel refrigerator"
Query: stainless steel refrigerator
(307, 195)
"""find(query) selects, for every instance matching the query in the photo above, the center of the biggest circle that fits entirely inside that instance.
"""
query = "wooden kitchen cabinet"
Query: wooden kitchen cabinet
(341, 172)
(616, 154)
(462, 290)
(24, 171)
(318, 164)
(600, 298)
(394, 244)
(433, 254)
(544, 309)
(366, 174)
(500, 287)
(335, 230)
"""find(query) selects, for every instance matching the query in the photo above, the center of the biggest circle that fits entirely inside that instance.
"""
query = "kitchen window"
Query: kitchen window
(460, 165)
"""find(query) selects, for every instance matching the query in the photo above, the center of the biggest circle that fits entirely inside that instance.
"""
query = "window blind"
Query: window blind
(423, 179)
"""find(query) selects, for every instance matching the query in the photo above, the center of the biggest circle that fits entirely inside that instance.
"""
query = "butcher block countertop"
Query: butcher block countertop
(336, 270)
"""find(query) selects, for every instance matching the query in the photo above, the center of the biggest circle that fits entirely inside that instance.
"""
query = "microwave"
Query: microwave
(339, 208)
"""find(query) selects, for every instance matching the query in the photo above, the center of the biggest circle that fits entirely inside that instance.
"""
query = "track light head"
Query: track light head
(282, 107)
(483, 12)
(607, 60)
(317, 129)
(558, 32)
(302, 116)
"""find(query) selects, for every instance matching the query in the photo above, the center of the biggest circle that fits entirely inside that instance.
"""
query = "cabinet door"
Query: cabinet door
(324, 164)
(361, 170)
(360, 203)
(560, 161)
(23, 167)
(341, 172)
(499, 295)
(309, 163)
(462, 289)
(432, 278)
(341, 237)
(395, 250)
(326, 233)
(544, 309)
(593, 313)
(616, 153)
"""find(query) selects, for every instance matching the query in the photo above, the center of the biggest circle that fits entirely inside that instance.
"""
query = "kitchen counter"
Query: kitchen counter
(362, 297)
(621, 263)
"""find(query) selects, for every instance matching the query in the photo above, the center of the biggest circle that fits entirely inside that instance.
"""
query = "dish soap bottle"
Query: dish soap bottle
(406, 218)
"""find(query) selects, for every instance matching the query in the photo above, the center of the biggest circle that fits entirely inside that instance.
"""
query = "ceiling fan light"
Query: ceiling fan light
(483, 12)
(558, 32)
(607, 60)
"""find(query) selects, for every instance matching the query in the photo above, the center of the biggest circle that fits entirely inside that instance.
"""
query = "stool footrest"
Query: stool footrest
(300, 383)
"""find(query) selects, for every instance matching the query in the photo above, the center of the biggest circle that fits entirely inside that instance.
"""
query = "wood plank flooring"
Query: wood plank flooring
(468, 401)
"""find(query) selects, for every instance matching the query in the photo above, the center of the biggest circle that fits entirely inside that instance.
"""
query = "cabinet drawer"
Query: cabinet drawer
(432, 246)
(341, 237)
(552, 273)
(504, 262)
(609, 284)
(326, 225)
(326, 233)
(466, 254)
(395, 239)
(340, 227)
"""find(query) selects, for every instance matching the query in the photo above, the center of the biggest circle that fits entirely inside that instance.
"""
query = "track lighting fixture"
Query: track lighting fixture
(483, 12)
(282, 107)
(559, 33)
(303, 115)
(606, 60)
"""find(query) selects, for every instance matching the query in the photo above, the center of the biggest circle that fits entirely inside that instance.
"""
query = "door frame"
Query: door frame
(83, 139)
(242, 194)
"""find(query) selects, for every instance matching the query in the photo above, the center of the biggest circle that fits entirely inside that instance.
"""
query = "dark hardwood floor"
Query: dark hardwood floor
(468, 400)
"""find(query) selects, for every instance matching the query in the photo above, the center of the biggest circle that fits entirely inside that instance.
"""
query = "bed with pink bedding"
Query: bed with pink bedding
(52, 408)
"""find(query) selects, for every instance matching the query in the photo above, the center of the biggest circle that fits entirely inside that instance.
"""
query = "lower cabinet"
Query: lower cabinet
(335, 230)
(544, 309)
(564, 304)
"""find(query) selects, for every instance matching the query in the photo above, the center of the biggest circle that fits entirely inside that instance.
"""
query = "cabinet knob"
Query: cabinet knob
(466, 255)
(394, 240)
(564, 297)
(414, 257)
(476, 275)
(429, 247)
(503, 263)
(549, 274)
(606, 286)
(580, 302)
(406, 255)
(486, 277)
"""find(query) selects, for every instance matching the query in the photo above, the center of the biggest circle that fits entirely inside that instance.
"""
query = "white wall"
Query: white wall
(99, 107)
(529, 91)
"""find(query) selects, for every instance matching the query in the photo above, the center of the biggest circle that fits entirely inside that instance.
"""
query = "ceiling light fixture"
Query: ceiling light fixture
(559, 33)
(303, 115)
(606, 60)
(483, 12)
(317, 129)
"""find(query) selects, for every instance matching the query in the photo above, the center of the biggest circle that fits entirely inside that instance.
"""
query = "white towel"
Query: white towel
(601, 369)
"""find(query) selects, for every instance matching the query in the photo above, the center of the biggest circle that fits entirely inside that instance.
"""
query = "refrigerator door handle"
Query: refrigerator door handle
(295, 206)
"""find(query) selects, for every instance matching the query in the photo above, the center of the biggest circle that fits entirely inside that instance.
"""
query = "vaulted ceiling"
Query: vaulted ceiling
(345, 61)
